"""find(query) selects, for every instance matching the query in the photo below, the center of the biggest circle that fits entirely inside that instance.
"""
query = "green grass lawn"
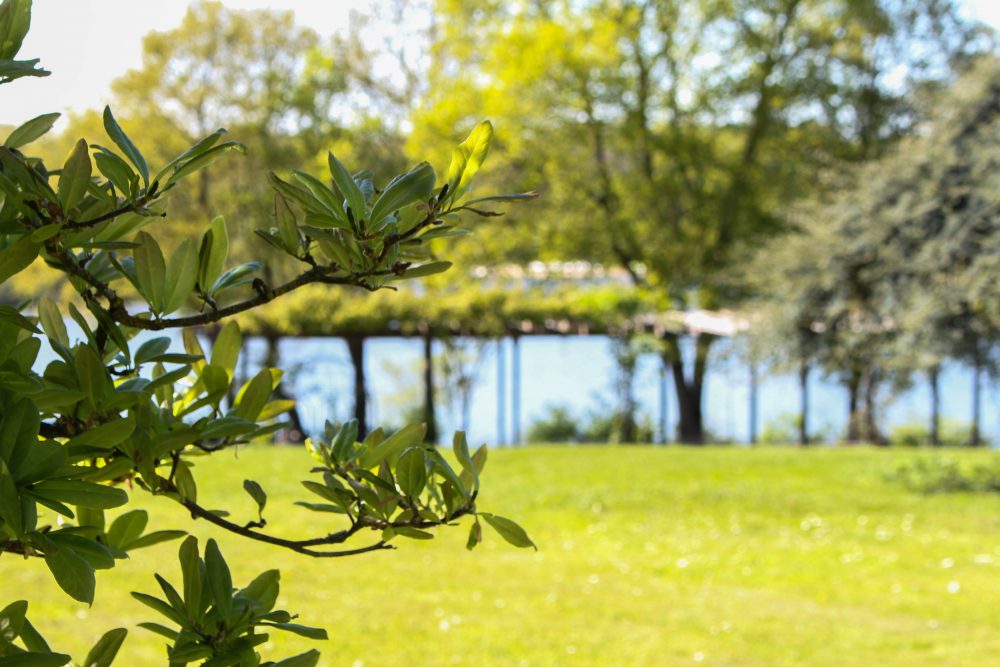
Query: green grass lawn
(648, 556)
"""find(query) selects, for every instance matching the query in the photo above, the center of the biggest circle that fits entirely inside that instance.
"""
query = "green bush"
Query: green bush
(940, 474)
(108, 414)
(952, 433)
(558, 425)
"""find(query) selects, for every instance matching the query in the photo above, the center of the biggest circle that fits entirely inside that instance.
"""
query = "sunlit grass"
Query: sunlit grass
(647, 556)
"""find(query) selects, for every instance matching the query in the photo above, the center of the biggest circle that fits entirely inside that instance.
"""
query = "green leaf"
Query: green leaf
(263, 590)
(73, 574)
(150, 270)
(220, 581)
(185, 483)
(33, 641)
(411, 471)
(301, 630)
(254, 396)
(160, 630)
(18, 432)
(470, 476)
(155, 537)
(390, 448)
(107, 435)
(475, 536)
(151, 349)
(414, 186)
(226, 348)
(322, 195)
(182, 273)
(191, 572)
(236, 276)
(344, 440)
(97, 555)
(92, 375)
(308, 659)
(15, 19)
(123, 142)
(160, 606)
(288, 229)
(10, 501)
(203, 160)
(423, 270)
(213, 253)
(75, 177)
(17, 256)
(77, 492)
(412, 533)
(106, 648)
(467, 158)
(45, 232)
(12, 620)
(31, 130)
(521, 196)
(198, 148)
(509, 530)
(126, 528)
(255, 491)
(348, 188)
(52, 321)
(117, 171)
(274, 408)
(35, 659)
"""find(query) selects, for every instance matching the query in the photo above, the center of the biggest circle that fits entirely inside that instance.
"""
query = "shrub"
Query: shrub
(952, 433)
(107, 412)
(941, 474)
(558, 425)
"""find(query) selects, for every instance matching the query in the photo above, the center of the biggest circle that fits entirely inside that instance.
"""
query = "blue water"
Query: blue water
(576, 372)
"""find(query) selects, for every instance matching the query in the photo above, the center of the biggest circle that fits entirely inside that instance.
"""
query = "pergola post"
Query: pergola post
(753, 402)
(501, 394)
(515, 379)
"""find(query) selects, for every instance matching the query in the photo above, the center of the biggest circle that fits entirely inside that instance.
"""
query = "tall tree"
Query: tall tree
(897, 273)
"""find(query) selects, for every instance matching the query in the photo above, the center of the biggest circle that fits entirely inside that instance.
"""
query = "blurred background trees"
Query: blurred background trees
(723, 153)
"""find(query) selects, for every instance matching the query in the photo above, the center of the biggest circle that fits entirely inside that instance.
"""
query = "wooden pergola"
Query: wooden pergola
(488, 314)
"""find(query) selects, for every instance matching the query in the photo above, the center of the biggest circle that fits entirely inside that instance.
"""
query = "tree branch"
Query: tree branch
(306, 547)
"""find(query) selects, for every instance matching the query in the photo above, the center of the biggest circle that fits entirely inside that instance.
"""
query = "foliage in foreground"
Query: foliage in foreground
(108, 413)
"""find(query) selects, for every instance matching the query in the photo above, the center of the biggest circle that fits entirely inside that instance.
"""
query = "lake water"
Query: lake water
(578, 372)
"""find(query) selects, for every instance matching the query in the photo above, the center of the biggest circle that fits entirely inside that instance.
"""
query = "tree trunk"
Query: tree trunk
(690, 426)
(626, 360)
(664, 417)
(356, 347)
(429, 413)
(853, 413)
(295, 434)
(934, 434)
(872, 434)
(804, 405)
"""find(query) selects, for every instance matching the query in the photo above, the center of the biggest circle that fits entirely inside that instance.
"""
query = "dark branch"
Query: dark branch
(306, 547)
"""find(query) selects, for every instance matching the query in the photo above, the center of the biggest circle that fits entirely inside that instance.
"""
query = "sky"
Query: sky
(86, 44)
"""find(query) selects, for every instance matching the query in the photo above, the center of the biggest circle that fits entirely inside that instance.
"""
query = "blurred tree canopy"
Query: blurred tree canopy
(669, 135)
(895, 273)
